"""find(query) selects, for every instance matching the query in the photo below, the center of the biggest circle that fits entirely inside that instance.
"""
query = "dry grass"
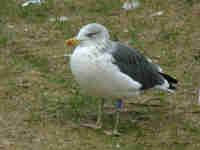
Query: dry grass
(41, 106)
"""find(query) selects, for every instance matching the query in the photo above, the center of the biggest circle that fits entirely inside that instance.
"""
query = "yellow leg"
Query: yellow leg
(118, 108)
(115, 130)
(99, 122)
(117, 119)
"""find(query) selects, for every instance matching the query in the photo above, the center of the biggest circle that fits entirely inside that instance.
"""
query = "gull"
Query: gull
(112, 70)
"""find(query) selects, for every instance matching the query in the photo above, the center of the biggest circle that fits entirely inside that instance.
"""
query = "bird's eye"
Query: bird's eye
(91, 34)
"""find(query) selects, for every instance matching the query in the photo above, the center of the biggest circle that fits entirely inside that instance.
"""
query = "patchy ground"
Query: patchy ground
(40, 104)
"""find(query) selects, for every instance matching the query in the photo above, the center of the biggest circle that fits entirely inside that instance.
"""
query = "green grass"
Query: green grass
(42, 106)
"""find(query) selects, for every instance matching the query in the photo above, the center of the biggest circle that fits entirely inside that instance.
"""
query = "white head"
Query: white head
(90, 33)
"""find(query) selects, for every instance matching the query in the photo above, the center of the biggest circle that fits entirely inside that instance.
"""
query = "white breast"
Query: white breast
(98, 76)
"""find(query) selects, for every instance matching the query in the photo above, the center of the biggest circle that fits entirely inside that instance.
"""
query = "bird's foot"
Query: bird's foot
(93, 126)
(114, 132)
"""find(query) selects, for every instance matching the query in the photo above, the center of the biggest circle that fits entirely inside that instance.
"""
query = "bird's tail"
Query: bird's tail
(170, 80)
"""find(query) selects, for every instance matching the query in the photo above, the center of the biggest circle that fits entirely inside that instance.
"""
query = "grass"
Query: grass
(41, 104)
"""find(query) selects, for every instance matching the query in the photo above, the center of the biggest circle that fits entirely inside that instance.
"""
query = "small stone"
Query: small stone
(26, 30)
(159, 13)
(125, 30)
(117, 145)
(11, 26)
(131, 4)
(52, 19)
(63, 18)
(37, 140)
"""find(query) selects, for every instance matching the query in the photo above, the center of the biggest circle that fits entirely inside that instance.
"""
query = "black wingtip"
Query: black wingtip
(169, 78)
(171, 87)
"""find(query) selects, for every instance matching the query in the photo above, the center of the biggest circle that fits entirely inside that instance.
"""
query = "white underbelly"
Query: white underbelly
(99, 77)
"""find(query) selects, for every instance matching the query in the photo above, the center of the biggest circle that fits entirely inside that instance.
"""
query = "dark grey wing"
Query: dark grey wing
(135, 65)
(156, 66)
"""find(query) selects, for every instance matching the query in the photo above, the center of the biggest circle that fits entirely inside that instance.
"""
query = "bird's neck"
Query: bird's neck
(103, 45)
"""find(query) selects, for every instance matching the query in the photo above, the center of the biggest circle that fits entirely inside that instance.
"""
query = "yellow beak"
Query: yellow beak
(72, 41)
